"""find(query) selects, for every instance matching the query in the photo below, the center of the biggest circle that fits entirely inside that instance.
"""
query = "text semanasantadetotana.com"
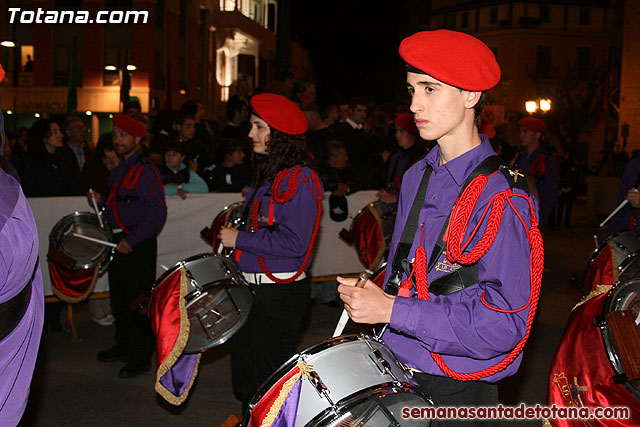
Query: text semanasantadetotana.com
(517, 412)
(41, 16)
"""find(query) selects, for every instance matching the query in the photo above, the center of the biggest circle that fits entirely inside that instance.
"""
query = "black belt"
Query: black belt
(12, 311)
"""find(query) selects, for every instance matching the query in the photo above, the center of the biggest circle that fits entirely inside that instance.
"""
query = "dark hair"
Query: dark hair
(105, 143)
(164, 120)
(131, 104)
(228, 146)
(39, 130)
(354, 102)
(174, 145)
(182, 117)
(67, 125)
(190, 107)
(333, 147)
(234, 105)
(478, 108)
(285, 151)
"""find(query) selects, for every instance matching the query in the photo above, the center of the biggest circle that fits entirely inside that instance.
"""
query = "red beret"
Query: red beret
(486, 128)
(279, 113)
(406, 122)
(129, 125)
(533, 124)
(454, 58)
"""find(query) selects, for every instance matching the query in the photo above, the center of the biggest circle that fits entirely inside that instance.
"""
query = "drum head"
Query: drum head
(85, 253)
(218, 300)
(625, 296)
(379, 406)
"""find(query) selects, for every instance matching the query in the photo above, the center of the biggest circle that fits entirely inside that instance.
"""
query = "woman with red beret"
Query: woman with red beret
(283, 210)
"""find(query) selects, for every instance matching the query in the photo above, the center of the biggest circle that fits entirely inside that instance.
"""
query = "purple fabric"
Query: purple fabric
(468, 335)
(177, 379)
(18, 265)
(144, 216)
(547, 184)
(622, 220)
(285, 246)
(289, 410)
(398, 163)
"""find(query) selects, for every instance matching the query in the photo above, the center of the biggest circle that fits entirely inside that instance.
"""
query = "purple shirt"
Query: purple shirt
(146, 211)
(285, 246)
(468, 335)
(547, 183)
(626, 219)
(18, 265)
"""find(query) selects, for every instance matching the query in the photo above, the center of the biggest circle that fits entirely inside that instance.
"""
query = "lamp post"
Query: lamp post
(543, 105)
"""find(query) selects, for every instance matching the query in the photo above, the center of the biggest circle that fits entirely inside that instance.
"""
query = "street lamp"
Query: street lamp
(7, 43)
(545, 105)
(531, 106)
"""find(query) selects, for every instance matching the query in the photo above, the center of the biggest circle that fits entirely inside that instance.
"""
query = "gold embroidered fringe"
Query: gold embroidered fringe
(284, 392)
(546, 423)
(176, 352)
(599, 290)
(73, 300)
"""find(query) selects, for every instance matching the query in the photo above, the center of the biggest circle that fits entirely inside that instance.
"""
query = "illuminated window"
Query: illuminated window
(26, 58)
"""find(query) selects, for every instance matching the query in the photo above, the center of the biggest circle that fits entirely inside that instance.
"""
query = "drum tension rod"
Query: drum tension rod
(319, 385)
(381, 363)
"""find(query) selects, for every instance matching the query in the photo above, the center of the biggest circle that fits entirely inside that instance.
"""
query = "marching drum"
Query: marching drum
(614, 261)
(86, 254)
(370, 233)
(229, 217)
(218, 299)
(622, 297)
(349, 380)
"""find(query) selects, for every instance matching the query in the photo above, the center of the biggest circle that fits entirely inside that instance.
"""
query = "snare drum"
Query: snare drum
(350, 380)
(86, 254)
(614, 261)
(230, 216)
(218, 299)
(370, 233)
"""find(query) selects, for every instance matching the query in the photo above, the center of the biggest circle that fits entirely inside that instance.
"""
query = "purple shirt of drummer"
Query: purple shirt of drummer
(139, 199)
(289, 236)
(627, 217)
(447, 72)
(19, 268)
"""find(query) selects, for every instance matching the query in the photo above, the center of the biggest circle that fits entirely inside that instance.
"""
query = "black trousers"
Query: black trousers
(268, 338)
(452, 393)
(129, 277)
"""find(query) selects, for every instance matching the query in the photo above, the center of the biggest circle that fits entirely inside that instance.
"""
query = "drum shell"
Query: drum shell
(215, 278)
(371, 248)
(230, 216)
(86, 254)
(347, 369)
(615, 261)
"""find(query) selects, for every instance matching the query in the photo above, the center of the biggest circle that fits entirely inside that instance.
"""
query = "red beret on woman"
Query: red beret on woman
(279, 113)
(406, 122)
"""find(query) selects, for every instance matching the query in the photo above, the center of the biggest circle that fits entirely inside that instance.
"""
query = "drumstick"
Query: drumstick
(344, 318)
(94, 240)
(227, 224)
(615, 211)
(95, 208)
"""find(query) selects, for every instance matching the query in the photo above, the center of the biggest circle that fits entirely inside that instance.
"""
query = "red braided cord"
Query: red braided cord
(283, 198)
(460, 217)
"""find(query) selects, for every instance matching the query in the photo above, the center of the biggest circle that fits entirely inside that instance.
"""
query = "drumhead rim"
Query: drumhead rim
(379, 390)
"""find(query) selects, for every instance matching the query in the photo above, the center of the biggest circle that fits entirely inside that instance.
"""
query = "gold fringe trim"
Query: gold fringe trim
(546, 423)
(176, 352)
(599, 290)
(614, 263)
(284, 393)
(73, 300)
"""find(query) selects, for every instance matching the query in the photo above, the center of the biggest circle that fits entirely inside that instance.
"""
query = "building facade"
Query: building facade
(177, 50)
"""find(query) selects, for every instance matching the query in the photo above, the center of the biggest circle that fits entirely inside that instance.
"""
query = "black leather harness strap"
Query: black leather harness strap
(12, 311)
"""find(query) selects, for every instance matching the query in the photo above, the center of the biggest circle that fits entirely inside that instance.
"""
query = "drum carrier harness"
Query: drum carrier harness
(282, 197)
(451, 237)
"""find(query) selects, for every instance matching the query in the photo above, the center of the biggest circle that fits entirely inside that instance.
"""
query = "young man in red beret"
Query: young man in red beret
(538, 164)
(135, 205)
(454, 316)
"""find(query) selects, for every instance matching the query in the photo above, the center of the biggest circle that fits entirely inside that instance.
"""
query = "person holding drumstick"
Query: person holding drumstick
(283, 208)
(457, 318)
(135, 205)
(627, 217)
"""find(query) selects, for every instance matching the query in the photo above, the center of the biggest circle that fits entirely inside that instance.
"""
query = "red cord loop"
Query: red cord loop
(460, 217)
(283, 197)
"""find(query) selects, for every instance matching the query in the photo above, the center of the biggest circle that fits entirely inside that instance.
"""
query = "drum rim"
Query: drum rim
(192, 258)
(613, 294)
(289, 364)
(378, 390)
(107, 252)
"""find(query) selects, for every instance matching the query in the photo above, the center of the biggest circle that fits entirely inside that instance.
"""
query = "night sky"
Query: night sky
(353, 47)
